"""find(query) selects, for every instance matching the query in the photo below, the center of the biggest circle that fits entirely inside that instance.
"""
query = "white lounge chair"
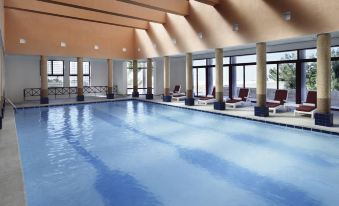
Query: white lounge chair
(209, 99)
(242, 97)
(310, 106)
(280, 99)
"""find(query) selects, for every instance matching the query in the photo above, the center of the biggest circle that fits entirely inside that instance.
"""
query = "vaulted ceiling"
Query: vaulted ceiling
(150, 28)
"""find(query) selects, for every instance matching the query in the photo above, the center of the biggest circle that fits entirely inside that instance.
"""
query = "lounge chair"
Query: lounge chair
(280, 98)
(179, 97)
(176, 90)
(310, 106)
(242, 97)
(209, 99)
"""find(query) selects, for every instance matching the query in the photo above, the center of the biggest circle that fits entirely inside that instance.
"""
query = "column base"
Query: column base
(261, 111)
(44, 100)
(324, 119)
(135, 94)
(189, 101)
(80, 98)
(149, 96)
(110, 96)
(219, 105)
(167, 98)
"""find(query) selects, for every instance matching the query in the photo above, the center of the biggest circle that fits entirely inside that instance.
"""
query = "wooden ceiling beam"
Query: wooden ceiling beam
(209, 2)
(74, 13)
(179, 7)
(114, 7)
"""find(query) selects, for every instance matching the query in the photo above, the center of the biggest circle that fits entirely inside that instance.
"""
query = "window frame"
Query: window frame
(84, 75)
(56, 75)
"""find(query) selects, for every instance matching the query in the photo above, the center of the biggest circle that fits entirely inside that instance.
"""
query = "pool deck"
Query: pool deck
(11, 179)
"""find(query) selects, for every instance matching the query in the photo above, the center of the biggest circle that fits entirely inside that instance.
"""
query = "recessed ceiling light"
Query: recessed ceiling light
(139, 50)
(124, 49)
(174, 41)
(200, 35)
(235, 27)
(22, 41)
(287, 16)
(96, 47)
(63, 44)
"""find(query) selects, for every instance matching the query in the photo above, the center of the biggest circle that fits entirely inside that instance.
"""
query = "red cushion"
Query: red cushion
(243, 93)
(280, 95)
(176, 89)
(272, 104)
(233, 101)
(305, 108)
(311, 97)
(179, 95)
(206, 98)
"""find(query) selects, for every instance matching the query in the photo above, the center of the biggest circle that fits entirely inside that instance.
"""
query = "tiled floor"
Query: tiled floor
(282, 117)
(11, 184)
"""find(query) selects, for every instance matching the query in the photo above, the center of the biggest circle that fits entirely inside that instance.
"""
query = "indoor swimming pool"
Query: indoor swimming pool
(138, 153)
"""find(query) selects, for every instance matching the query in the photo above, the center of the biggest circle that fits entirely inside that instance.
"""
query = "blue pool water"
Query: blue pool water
(137, 153)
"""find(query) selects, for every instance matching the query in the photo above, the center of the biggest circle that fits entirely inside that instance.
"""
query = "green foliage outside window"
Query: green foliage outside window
(287, 73)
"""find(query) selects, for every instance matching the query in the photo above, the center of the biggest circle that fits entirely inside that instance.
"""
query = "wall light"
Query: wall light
(124, 49)
(96, 47)
(235, 27)
(22, 41)
(63, 44)
(200, 35)
(287, 16)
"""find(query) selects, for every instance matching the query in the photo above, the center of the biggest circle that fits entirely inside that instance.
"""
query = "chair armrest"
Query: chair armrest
(237, 98)
(273, 101)
(209, 95)
(309, 104)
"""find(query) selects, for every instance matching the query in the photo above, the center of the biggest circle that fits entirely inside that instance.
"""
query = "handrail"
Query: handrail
(11, 103)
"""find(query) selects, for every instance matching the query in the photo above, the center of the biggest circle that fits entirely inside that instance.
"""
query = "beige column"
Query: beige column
(219, 87)
(80, 79)
(44, 80)
(166, 76)
(149, 94)
(261, 74)
(324, 73)
(110, 79)
(135, 79)
(189, 76)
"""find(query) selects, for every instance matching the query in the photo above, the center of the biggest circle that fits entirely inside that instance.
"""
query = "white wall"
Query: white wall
(177, 74)
(24, 72)
(120, 76)
(21, 72)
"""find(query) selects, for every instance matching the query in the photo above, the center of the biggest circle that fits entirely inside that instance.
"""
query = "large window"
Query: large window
(240, 76)
(73, 78)
(199, 77)
(55, 71)
(142, 77)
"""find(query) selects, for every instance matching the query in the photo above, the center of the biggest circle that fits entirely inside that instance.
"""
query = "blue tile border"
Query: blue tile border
(187, 108)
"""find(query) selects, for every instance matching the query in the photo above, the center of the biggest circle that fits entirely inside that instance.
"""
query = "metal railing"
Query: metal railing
(33, 92)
